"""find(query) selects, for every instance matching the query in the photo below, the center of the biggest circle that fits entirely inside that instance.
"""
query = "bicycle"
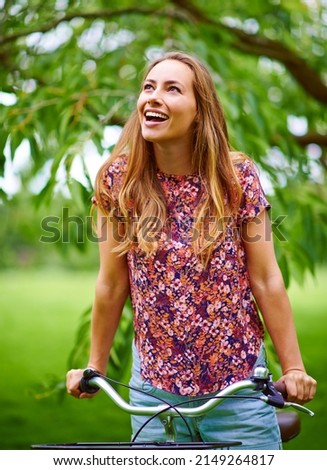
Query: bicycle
(272, 394)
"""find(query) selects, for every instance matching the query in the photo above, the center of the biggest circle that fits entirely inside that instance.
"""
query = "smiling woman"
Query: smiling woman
(167, 110)
(184, 230)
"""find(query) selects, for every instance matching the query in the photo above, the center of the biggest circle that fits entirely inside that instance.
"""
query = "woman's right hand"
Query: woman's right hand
(73, 378)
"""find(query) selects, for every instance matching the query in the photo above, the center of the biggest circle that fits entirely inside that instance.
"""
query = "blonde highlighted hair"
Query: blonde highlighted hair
(212, 160)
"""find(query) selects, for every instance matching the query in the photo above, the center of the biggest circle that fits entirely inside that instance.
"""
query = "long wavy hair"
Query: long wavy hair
(212, 161)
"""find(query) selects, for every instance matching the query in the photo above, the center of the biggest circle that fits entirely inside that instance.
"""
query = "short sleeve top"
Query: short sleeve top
(197, 329)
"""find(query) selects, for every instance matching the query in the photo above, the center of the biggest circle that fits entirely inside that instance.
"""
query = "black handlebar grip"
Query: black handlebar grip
(84, 385)
(281, 388)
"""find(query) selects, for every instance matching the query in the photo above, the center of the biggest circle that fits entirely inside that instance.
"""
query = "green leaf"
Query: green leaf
(3, 141)
(16, 139)
(284, 267)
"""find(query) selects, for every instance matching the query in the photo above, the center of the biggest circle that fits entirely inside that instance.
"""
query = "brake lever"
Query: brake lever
(275, 392)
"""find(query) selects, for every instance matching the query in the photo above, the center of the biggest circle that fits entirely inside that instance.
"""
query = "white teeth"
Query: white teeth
(158, 115)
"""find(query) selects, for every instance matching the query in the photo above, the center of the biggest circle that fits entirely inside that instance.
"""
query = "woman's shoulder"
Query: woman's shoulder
(243, 165)
(240, 159)
(111, 175)
(253, 196)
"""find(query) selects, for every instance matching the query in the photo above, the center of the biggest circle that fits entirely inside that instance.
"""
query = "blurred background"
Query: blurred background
(69, 77)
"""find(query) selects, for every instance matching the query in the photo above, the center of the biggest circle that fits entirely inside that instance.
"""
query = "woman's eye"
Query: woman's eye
(147, 86)
(174, 88)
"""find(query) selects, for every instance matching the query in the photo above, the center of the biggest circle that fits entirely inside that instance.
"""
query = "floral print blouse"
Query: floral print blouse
(197, 329)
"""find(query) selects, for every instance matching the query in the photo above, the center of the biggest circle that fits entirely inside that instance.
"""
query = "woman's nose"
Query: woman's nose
(154, 102)
(155, 97)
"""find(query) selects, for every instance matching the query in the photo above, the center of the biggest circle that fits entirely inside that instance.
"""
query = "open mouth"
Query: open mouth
(151, 116)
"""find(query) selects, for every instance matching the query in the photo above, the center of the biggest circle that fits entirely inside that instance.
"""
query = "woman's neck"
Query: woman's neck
(172, 159)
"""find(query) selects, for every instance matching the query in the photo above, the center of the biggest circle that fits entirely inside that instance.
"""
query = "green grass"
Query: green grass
(40, 312)
(39, 315)
(310, 309)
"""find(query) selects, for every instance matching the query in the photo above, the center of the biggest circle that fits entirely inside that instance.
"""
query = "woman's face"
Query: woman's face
(167, 105)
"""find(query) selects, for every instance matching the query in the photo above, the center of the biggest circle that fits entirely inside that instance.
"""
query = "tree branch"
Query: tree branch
(91, 15)
(298, 67)
(311, 138)
(255, 44)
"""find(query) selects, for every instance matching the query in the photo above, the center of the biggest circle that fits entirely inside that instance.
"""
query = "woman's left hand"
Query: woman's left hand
(300, 386)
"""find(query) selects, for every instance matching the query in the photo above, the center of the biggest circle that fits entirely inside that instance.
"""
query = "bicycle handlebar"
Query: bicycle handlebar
(272, 394)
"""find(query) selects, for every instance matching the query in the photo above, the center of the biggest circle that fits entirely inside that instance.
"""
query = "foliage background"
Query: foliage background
(70, 71)
(69, 77)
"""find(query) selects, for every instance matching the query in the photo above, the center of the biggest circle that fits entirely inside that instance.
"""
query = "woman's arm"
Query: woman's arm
(271, 296)
(111, 291)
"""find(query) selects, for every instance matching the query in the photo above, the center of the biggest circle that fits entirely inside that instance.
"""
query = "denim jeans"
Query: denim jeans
(249, 421)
